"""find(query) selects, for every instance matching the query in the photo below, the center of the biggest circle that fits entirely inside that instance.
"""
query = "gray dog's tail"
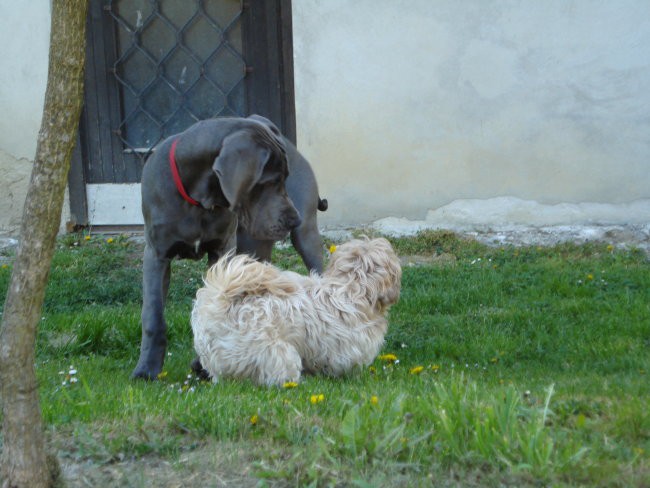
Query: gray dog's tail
(322, 204)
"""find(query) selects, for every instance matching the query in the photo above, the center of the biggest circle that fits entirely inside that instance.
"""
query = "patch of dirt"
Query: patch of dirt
(620, 236)
(220, 465)
(213, 465)
(444, 259)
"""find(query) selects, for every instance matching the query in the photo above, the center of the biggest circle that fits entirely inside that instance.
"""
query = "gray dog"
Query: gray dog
(221, 183)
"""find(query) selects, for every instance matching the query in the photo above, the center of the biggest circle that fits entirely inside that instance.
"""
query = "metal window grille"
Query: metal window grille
(178, 61)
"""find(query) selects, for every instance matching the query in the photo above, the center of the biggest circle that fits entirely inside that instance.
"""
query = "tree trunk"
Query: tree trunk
(24, 460)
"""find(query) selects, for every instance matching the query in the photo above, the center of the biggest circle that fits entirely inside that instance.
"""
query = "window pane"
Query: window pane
(179, 61)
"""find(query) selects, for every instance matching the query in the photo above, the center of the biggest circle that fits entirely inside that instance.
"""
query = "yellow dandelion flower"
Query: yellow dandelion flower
(590, 276)
(374, 400)
(314, 399)
(162, 375)
(109, 240)
(435, 368)
(87, 238)
(416, 370)
(389, 358)
(254, 419)
(332, 249)
(610, 247)
(5, 266)
(289, 384)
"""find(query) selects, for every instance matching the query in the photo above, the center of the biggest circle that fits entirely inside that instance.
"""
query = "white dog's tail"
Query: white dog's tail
(238, 276)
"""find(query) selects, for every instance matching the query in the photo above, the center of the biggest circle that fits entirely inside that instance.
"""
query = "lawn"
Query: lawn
(502, 367)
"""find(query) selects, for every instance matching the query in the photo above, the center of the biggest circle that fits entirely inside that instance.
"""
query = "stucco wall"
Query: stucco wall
(406, 106)
(24, 37)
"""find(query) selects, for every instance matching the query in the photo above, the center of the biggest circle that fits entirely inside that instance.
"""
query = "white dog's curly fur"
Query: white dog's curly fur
(252, 320)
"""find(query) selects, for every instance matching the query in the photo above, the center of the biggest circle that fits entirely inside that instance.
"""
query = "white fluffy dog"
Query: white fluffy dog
(252, 320)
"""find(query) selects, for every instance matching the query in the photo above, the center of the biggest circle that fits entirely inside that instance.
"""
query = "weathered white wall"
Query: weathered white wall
(407, 105)
(24, 37)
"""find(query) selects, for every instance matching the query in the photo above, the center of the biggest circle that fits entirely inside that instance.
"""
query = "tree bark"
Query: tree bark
(24, 460)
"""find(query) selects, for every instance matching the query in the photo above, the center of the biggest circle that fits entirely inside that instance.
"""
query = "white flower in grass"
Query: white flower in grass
(69, 376)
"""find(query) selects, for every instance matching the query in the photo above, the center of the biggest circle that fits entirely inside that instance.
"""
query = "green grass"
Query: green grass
(535, 365)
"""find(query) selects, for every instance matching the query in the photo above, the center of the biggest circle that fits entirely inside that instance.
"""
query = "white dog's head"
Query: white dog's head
(370, 268)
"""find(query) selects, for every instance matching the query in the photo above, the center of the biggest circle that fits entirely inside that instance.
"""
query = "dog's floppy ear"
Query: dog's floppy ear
(389, 293)
(240, 165)
(208, 192)
(391, 275)
(266, 122)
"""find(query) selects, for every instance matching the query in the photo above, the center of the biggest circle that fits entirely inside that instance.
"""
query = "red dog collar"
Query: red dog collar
(177, 176)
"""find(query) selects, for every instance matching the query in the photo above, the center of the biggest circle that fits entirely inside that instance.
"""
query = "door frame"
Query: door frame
(268, 55)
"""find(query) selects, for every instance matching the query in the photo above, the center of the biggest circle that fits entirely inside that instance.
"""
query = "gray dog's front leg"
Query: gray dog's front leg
(262, 250)
(155, 283)
(309, 244)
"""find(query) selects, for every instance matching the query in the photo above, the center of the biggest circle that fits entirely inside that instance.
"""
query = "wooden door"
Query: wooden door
(154, 68)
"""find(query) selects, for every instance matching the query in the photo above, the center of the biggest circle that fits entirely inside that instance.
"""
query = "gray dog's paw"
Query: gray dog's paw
(144, 373)
(198, 369)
